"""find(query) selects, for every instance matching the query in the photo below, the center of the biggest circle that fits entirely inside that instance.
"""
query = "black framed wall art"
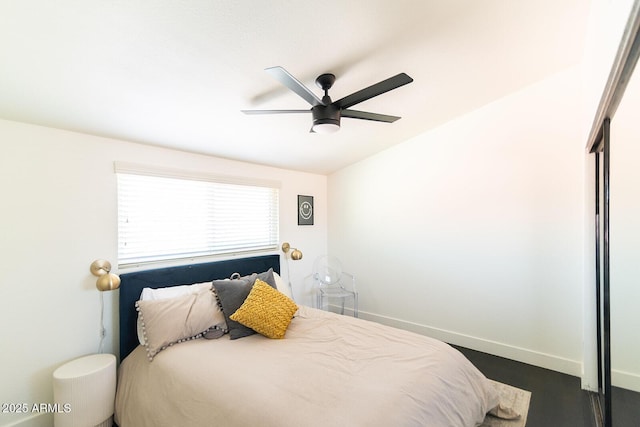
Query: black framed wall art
(305, 210)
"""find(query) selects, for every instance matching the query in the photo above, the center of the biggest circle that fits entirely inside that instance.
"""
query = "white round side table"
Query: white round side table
(85, 389)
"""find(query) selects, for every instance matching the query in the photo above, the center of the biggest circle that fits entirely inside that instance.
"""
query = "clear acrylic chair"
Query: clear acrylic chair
(331, 282)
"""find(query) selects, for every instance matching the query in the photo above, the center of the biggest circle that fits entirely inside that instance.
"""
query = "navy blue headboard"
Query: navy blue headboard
(132, 284)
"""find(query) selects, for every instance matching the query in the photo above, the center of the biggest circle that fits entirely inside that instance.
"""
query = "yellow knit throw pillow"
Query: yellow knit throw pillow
(266, 310)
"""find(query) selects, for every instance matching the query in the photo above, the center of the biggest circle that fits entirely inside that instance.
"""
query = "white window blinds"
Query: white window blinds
(166, 215)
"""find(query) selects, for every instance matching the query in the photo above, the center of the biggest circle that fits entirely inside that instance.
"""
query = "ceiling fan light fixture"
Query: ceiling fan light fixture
(325, 126)
(326, 118)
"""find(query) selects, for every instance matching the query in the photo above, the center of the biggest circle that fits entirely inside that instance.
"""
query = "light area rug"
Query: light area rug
(510, 397)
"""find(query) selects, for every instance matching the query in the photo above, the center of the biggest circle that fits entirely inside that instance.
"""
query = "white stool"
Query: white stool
(87, 388)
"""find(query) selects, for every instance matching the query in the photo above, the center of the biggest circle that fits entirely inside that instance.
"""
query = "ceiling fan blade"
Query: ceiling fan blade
(274, 111)
(365, 115)
(284, 77)
(374, 90)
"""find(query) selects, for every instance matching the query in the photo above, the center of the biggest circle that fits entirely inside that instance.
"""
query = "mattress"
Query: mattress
(329, 370)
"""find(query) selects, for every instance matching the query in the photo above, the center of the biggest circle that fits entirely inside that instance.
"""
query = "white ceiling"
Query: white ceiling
(177, 73)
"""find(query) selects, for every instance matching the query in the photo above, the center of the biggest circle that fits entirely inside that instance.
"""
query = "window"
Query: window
(165, 214)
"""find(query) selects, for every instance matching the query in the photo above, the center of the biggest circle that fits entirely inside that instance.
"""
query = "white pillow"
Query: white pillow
(150, 294)
(281, 285)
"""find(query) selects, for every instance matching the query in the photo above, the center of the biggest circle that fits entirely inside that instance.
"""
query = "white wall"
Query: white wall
(58, 214)
(473, 232)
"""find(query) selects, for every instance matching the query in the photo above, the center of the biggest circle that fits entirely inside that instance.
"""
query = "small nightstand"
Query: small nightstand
(84, 390)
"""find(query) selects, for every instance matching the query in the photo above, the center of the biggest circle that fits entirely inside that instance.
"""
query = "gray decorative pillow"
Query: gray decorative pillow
(266, 276)
(231, 294)
(213, 333)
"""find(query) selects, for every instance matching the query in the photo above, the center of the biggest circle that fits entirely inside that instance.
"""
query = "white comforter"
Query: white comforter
(329, 370)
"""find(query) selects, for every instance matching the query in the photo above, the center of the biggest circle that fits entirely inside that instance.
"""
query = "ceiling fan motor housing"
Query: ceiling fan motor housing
(326, 114)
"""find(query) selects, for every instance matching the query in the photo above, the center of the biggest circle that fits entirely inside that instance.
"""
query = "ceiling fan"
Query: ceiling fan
(327, 113)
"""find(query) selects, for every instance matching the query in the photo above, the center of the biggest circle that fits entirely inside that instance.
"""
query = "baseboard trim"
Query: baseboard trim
(531, 357)
(625, 380)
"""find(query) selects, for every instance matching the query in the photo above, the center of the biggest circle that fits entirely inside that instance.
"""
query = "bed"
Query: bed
(327, 370)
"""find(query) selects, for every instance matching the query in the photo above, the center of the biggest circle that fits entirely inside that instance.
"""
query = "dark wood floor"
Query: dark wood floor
(556, 399)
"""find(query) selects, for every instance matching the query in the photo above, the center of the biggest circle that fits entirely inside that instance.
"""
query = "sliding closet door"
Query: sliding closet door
(625, 239)
(617, 229)
(615, 138)
(602, 158)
